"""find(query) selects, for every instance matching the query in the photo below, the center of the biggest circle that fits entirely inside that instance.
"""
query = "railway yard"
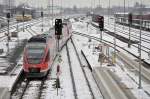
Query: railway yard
(88, 66)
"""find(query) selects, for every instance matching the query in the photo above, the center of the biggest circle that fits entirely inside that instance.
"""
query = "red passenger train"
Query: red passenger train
(41, 50)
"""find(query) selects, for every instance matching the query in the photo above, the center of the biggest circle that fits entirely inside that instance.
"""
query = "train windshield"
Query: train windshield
(35, 53)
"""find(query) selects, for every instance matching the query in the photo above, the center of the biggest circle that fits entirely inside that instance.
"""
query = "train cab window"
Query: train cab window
(35, 53)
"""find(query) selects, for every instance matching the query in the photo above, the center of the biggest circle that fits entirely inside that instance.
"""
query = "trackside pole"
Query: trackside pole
(42, 19)
(58, 44)
(101, 27)
(57, 79)
(114, 54)
(58, 31)
(140, 54)
(8, 35)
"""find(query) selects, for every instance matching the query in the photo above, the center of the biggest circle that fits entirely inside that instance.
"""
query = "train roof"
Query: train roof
(39, 38)
(121, 13)
(126, 13)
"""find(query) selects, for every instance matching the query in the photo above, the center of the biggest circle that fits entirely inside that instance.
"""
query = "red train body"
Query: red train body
(41, 50)
(123, 19)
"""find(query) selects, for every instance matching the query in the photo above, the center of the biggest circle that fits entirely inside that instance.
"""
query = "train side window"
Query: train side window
(47, 56)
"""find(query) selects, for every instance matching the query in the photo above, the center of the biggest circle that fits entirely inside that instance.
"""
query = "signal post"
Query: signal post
(8, 34)
(101, 27)
(130, 23)
(23, 14)
(58, 33)
(42, 15)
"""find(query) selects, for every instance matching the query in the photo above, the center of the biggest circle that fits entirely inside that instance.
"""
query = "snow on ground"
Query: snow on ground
(145, 35)
(122, 74)
(81, 87)
(80, 44)
(82, 28)
(32, 92)
(8, 81)
(131, 80)
(46, 25)
(66, 90)
(127, 77)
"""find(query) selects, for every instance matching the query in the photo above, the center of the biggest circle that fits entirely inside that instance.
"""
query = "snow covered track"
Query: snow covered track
(135, 65)
(93, 97)
(106, 42)
(20, 28)
(28, 89)
(29, 23)
(31, 31)
(124, 37)
(81, 87)
(71, 73)
(110, 87)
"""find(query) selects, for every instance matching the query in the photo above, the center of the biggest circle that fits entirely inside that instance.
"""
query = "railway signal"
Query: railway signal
(101, 23)
(42, 14)
(130, 18)
(58, 27)
(8, 15)
(58, 30)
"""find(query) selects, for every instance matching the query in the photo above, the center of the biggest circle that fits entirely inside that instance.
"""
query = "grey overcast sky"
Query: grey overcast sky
(83, 3)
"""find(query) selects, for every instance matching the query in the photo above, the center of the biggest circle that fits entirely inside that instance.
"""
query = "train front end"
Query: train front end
(36, 60)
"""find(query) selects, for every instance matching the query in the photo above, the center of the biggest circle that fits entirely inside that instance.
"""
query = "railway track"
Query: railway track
(81, 65)
(107, 42)
(110, 85)
(144, 48)
(76, 70)
(144, 39)
(133, 29)
(9, 62)
(87, 70)
(104, 74)
(133, 66)
(34, 88)
(71, 73)
(26, 25)
(135, 37)
(28, 89)
(31, 32)
(14, 25)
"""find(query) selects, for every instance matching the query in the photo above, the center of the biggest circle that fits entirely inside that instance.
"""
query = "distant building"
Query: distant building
(9, 2)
